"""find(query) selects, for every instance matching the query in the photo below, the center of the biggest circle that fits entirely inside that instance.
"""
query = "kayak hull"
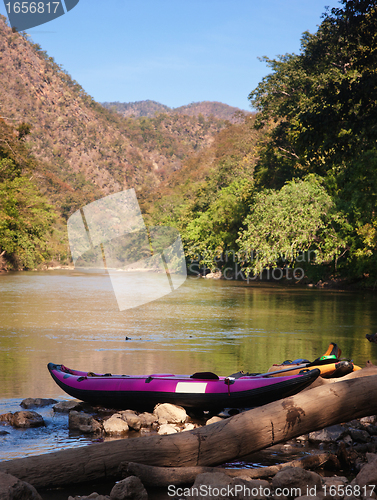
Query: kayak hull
(199, 391)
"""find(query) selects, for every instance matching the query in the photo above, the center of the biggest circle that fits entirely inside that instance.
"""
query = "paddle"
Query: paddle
(331, 355)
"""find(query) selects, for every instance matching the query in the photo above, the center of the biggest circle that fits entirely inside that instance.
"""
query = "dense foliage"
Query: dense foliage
(26, 218)
(293, 185)
(311, 186)
(321, 111)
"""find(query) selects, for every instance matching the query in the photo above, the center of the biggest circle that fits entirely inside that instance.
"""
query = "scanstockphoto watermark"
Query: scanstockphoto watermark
(26, 14)
(252, 256)
(244, 491)
(237, 273)
(232, 265)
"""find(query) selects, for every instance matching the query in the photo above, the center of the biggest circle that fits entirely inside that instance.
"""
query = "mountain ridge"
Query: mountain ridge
(84, 150)
(150, 108)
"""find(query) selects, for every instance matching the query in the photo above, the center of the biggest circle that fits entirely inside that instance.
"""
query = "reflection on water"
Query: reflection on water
(206, 325)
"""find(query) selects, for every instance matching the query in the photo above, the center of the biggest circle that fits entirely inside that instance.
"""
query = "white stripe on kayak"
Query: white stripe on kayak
(193, 387)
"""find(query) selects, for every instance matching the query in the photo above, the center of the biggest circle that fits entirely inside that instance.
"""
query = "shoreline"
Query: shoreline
(340, 284)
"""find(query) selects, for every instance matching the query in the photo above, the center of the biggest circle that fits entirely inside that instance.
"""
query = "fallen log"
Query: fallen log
(214, 444)
(160, 477)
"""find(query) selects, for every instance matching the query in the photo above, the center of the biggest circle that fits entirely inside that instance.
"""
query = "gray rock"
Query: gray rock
(147, 419)
(36, 403)
(167, 429)
(66, 406)
(27, 418)
(132, 419)
(92, 496)
(368, 473)
(328, 434)
(311, 497)
(371, 429)
(359, 435)
(334, 488)
(368, 420)
(361, 447)
(7, 418)
(172, 414)
(83, 422)
(297, 482)
(12, 488)
(213, 420)
(246, 489)
(189, 427)
(130, 488)
(115, 425)
(208, 486)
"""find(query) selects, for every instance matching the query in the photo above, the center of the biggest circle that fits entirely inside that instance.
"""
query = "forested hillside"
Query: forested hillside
(137, 109)
(86, 150)
(80, 151)
(30, 230)
(293, 186)
(307, 197)
(208, 109)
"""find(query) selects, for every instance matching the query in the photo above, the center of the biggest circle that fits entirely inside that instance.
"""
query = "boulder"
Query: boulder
(147, 419)
(313, 497)
(212, 486)
(7, 418)
(368, 473)
(36, 403)
(297, 482)
(189, 427)
(115, 425)
(130, 488)
(368, 420)
(359, 435)
(92, 496)
(334, 488)
(132, 419)
(213, 420)
(328, 434)
(245, 489)
(166, 412)
(26, 418)
(371, 429)
(83, 422)
(167, 429)
(12, 488)
(66, 406)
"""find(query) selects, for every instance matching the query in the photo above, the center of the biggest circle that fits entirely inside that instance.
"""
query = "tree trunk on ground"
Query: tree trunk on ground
(233, 438)
(163, 476)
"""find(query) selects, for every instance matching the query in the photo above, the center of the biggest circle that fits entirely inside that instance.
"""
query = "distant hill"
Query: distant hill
(83, 150)
(211, 108)
(208, 109)
(137, 109)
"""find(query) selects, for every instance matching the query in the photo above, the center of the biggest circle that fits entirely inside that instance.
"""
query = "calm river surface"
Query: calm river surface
(206, 325)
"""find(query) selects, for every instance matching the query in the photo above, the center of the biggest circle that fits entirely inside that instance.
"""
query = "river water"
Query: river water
(73, 318)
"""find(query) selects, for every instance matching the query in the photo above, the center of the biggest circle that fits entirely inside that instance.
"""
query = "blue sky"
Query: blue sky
(175, 51)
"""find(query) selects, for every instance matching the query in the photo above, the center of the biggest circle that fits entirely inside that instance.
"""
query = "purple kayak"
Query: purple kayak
(203, 391)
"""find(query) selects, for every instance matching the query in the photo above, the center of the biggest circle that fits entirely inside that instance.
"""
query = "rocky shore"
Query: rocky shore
(349, 471)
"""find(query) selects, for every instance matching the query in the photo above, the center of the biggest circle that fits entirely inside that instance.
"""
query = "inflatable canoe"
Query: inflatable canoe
(204, 391)
(330, 365)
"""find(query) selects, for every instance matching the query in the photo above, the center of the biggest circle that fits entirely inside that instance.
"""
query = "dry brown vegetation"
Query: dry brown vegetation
(83, 150)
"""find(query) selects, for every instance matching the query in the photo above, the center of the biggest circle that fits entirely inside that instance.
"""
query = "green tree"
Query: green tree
(25, 223)
(213, 232)
(322, 103)
(297, 221)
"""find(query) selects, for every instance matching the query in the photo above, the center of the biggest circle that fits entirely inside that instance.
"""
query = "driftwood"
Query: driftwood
(214, 444)
(163, 476)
